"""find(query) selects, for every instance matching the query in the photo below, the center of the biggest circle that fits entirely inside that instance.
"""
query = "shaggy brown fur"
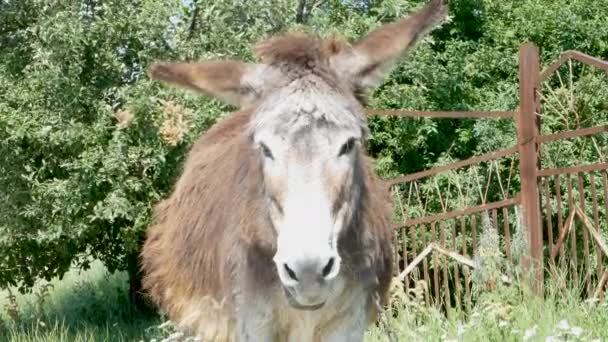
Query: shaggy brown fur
(217, 208)
(212, 240)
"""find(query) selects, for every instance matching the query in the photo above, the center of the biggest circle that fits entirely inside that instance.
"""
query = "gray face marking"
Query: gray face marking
(308, 138)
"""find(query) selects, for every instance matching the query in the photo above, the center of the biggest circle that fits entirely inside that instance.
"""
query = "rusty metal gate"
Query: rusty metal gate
(545, 211)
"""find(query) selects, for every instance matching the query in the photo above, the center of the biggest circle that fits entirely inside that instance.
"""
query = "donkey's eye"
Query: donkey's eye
(347, 147)
(266, 151)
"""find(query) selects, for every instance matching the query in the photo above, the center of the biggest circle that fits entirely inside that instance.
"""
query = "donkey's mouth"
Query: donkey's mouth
(293, 302)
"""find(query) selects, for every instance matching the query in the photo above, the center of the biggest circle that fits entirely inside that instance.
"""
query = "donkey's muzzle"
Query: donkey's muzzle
(307, 281)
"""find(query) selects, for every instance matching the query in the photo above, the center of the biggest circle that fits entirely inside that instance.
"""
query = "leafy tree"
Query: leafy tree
(88, 144)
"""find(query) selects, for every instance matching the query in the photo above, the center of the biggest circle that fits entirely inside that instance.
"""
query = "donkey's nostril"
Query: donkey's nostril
(290, 272)
(328, 267)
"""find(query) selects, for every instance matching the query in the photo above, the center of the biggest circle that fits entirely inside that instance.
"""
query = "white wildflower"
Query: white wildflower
(576, 331)
(552, 339)
(530, 333)
(460, 329)
(563, 325)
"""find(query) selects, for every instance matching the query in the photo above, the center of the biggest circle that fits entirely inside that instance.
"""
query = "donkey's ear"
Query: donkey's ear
(370, 60)
(231, 81)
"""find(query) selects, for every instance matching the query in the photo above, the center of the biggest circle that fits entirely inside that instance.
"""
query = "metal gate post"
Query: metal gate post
(527, 132)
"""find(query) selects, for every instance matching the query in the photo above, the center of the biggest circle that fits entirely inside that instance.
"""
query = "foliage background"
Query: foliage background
(88, 143)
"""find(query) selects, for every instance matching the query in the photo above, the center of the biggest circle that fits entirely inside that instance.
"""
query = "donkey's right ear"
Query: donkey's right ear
(231, 81)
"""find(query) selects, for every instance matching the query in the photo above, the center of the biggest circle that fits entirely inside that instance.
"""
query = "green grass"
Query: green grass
(89, 305)
(93, 306)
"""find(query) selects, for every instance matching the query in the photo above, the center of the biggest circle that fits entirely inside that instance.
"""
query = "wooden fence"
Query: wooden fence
(437, 249)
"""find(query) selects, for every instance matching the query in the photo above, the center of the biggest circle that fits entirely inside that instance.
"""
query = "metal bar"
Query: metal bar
(527, 133)
(572, 54)
(438, 114)
(474, 232)
(420, 257)
(456, 213)
(467, 289)
(558, 198)
(405, 260)
(456, 266)
(396, 254)
(505, 217)
(456, 165)
(573, 250)
(413, 240)
(605, 185)
(425, 266)
(549, 214)
(446, 287)
(596, 220)
(581, 192)
(599, 290)
(435, 266)
(573, 169)
(572, 134)
(594, 232)
(562, 235)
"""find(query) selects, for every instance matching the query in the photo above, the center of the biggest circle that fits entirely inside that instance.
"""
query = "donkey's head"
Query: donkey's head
(308, 127)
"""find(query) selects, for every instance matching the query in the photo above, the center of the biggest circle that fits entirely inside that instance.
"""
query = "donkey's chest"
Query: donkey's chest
(330, 323)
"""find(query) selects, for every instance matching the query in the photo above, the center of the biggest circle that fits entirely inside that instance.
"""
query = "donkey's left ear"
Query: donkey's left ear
(231, 81)
(370, 60)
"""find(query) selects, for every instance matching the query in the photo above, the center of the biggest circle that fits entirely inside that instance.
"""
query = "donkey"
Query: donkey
(277, 229)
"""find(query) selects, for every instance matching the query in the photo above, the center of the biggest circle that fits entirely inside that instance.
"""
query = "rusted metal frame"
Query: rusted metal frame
(592, 230)
(573, 169)
(456, 165)
(599, 290)
(572, 54)
(605, 185)
(413, 239)
(433, 246)
(467, 289)
(558, 198)
(562, 235)
(456, 266)
(596, 220)
(405, 260)
(527, 133)
(446, 287)
(435, 266)
(587, 262)
(600, 243)
(396, 255)
(549, 214)
(507, 233)
(573, 249)
(582, 132)
(420, 257)
(474, 231)
(439, 114)
(456, 213)
(425, 266)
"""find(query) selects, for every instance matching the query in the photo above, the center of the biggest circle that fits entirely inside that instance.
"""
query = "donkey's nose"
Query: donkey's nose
(310, 270)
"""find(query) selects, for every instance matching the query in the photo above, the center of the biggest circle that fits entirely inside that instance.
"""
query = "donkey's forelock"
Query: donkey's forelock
(298, 48)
